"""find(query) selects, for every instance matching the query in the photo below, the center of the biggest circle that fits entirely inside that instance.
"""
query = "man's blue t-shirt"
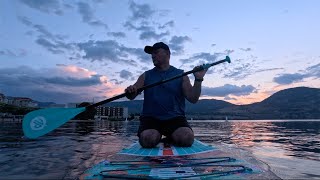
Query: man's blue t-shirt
(164, 101)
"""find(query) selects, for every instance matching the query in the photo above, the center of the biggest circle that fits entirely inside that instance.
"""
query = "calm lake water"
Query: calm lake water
(290, 148)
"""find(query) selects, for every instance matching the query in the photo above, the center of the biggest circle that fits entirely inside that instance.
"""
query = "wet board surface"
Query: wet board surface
(200, 161)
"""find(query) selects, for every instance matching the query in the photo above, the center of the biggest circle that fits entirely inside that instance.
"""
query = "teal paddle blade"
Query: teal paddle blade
(40, 122)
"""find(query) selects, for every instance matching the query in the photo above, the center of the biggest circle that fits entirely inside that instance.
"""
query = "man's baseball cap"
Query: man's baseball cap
(158, 45)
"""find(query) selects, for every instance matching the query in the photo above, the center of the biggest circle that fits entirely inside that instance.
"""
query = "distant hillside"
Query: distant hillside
(201, 107)
(294, 103)
(15, 110)
(206, 106)
(134, 106)
(44, 104)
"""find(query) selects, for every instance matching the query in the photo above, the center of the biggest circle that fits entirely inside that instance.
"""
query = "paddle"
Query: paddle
(41, 122)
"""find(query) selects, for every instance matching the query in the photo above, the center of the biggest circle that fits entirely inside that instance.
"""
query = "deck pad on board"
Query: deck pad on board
(162, 149)
(212, 163)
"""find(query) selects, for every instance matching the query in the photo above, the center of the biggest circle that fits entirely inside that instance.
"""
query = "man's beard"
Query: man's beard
(155, 62)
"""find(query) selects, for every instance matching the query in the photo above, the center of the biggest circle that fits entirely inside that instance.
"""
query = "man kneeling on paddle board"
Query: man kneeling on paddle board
(164, 105)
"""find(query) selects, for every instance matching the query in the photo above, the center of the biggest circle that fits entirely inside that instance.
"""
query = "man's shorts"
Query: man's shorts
(165, 127)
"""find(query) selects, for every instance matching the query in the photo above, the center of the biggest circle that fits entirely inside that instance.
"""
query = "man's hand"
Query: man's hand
(199, 74)
(131, 92)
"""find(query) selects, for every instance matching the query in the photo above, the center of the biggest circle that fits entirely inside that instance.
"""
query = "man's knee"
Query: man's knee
(149, 138)
(183, 136)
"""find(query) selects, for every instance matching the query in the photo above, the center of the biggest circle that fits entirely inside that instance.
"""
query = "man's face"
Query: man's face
(160, 56)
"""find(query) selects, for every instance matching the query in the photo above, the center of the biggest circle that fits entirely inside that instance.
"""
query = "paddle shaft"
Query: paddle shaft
(43, 121)
(206, 66)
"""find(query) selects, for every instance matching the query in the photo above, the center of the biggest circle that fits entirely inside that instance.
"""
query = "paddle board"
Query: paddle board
(166, 161)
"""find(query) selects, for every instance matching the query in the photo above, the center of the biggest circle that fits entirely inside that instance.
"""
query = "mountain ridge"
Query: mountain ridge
(291, 103)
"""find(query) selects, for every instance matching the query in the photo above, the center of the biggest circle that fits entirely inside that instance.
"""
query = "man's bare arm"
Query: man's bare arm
(192, 93)
(132, 91)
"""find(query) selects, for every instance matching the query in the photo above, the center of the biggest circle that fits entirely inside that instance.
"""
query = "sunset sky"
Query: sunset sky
(72, 51)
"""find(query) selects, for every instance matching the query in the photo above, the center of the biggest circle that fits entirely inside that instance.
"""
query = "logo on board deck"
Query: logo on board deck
(38, 123)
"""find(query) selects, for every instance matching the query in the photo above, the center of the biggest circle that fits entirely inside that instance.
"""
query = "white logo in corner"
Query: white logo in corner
(38, 123)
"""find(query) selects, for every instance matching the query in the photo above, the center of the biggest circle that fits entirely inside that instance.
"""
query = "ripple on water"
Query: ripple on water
(290, 148)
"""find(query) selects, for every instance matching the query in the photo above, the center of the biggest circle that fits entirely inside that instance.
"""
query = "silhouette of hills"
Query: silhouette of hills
(293, 103)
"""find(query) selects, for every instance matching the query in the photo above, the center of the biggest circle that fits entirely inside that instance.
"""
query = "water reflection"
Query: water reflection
(300, 139)
(291, 148)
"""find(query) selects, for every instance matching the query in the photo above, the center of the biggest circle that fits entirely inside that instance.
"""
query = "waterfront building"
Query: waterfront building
(112, 112)
(2, 98)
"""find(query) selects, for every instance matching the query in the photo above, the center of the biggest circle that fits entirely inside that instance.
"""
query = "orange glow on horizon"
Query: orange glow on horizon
(242, 100)
(255, 97)
(252, 98)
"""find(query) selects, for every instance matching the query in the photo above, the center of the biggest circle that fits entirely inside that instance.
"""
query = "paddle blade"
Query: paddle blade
(40, 122)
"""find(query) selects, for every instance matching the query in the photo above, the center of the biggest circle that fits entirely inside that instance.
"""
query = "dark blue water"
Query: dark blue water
(290, 148)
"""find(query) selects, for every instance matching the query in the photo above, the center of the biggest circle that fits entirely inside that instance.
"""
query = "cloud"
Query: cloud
(11, 53)
(24, 20)
(64, 83)
(53, 6)
(227, 90)
(71, 70)
(110, 50)
(241, 68)
(312, 71)
(27, 75)
(176, 44)
(54, 48)
(149, 35)
(67, 6)
(238, 68)
(245, 49)
(228, 51)
(126, 75)
(140, 11)
(116, 81)
(208, 57)
(87, 15)
(186, 61)
(140, 21)
(42, 31)
(288, 78)
(98, 1)
(47, 6)
(270, 69)
(228, 98)
(240, 72)
(117, 34)
(99, 50)
(52, 42)
(85, 10)
(71, 81)
(167, 24)
(147, 32)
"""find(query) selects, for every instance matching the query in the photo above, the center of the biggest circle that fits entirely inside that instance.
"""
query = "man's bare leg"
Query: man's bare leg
(149, 138)
(183, 136)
